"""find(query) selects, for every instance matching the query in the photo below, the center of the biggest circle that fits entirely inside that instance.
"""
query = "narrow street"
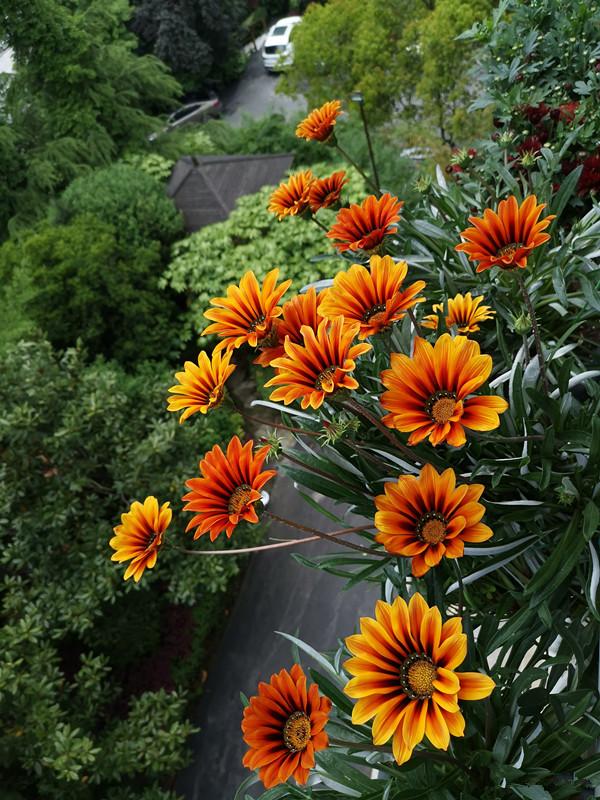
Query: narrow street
(254, 95)
(277, 594)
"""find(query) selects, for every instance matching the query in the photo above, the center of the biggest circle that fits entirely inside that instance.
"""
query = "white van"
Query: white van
(277, 51)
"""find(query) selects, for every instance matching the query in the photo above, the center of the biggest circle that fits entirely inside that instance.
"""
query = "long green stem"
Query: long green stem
(329, 537)
(535, 329)
(356, 408)
(370, 146)
(319, 223)
(370, 181)
(287, 543)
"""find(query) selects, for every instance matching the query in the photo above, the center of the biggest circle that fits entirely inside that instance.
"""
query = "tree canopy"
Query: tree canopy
(198, 39)
(403, 55)
(80, 96)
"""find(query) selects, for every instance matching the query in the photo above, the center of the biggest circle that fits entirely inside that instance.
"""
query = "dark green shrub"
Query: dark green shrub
(127, 198)
(91, 667)
(79, 281)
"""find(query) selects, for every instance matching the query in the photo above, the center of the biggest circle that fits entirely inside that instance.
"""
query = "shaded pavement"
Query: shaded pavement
(277, 593)
(254, 95)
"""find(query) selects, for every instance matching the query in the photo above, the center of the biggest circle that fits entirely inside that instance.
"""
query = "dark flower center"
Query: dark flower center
(239, 498)
(256, 323)
(431, 528)
(509, 249)
(153, 539)
(296, 732)
(441, 406)
(325, 376)
(417, 675)
(373, 311)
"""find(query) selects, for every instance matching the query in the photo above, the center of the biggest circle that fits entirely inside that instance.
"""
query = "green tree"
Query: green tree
(402, 55)
(92, 686)
(198, 39)
(446, 85)
(365, 45)
(80, 96)
(80, 281)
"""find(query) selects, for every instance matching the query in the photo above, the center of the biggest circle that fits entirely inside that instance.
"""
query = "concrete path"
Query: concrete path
(277, 594)
(254, 95)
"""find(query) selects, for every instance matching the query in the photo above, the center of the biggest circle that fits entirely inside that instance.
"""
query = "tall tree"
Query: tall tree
(198, 39)
(80, 95)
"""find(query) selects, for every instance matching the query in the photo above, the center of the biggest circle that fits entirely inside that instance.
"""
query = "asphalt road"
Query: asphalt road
(277, 594)
(254, 95)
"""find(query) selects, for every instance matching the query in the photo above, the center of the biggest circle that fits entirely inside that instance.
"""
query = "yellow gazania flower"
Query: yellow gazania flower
(202, 386)
(246, 315)
(464, 313)
(374, 298)
(428, 395)
(506, 238)
(139, 537)
(404, 666)
(429, 517)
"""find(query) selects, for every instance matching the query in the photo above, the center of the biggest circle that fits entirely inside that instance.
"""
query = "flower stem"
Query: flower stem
(413, 319)
(319, 223)
(361, 411)
(287, 543)
(370, 146)
(328, 536)
(317, 471)
(536, 332)
(370, 181)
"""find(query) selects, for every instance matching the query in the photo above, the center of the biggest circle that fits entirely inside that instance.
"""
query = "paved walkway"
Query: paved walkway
(254, 95)
(277, 594)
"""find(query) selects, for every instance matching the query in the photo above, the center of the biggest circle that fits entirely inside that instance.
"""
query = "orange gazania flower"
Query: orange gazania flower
(372, 297)
(314, 370)
(228, 489)
(139, 537)
(464, 313)
(291, 197)
(284, 726)
(247, 313)
(428, 393)
(505, 238)
(301, 310)
(365, 226)
(202, 386)
(404, 663)
(319, 124)
(429, 517)
(325, 192)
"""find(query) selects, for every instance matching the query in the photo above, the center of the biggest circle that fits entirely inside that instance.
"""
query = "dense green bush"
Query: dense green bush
(206, 262)
(91, 667)
(541, 76)
(80, 97)
(80, 281)
(127, 198)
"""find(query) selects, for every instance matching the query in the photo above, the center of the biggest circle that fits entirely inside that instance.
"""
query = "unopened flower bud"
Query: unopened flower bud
(522, 324)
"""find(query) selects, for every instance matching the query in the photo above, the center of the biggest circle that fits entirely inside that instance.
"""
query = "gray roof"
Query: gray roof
(205, 188)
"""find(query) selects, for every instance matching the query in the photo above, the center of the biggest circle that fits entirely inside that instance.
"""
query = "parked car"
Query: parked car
(199, 111)
(278, 50)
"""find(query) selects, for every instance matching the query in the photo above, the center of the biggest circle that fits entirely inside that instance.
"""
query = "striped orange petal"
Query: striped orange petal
(403, 666)
(428, 395)
(506, 237)
(374, 298)
(228, 489)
